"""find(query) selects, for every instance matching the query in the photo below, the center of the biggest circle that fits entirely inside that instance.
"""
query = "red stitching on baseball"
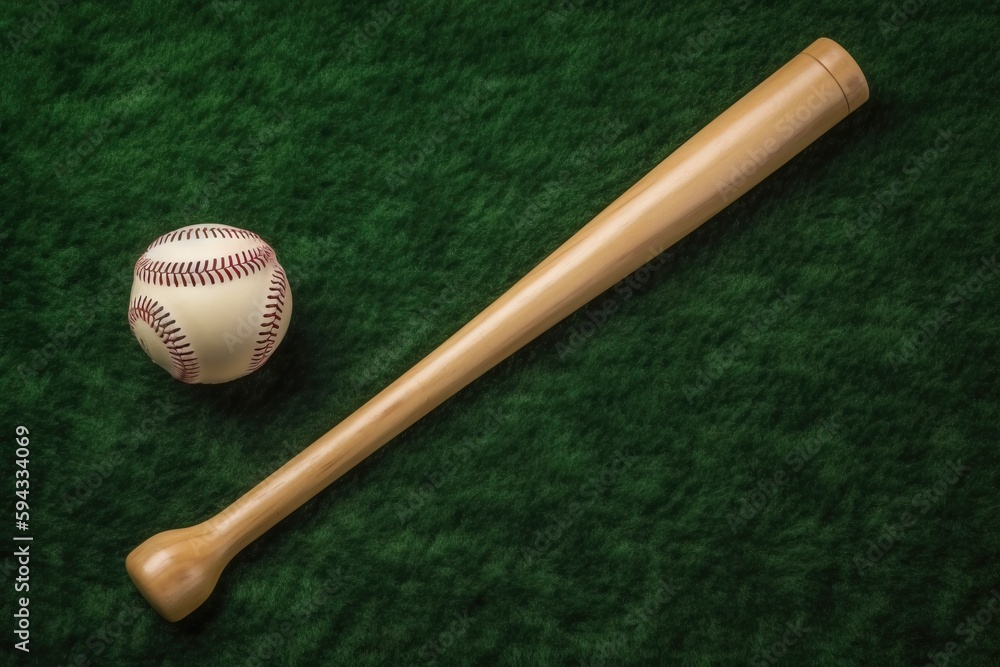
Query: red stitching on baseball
(198, 232)
(173, 274)
(271, 321)
(186, 367)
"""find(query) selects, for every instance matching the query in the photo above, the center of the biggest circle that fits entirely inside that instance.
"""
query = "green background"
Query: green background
(711, 468)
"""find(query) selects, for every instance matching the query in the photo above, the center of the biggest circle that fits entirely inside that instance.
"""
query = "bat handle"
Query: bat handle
(177, 570)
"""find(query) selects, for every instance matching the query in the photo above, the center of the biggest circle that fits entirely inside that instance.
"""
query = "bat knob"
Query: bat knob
(177, 570)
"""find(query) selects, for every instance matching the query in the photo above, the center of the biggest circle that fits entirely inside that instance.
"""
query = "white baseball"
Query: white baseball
(209, 303)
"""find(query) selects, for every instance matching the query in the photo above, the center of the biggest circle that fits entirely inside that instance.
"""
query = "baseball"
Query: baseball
(209, 303)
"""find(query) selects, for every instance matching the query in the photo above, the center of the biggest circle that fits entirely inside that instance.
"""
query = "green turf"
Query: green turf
(717, 473)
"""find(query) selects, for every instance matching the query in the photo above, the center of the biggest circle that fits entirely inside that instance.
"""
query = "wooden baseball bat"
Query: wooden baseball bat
(176, 570)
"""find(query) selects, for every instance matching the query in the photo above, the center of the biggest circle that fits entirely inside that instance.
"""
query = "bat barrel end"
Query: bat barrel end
(843, 68)
(176, 570)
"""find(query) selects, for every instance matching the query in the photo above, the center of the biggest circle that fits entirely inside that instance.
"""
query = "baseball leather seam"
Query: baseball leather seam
(204, 232)
(217, 270)
(185, 361)
(271, 323)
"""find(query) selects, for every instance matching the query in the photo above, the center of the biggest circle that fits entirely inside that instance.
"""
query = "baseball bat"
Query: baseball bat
(177, 570)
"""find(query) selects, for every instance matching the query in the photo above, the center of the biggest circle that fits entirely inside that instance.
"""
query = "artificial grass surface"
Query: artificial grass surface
(715, 473)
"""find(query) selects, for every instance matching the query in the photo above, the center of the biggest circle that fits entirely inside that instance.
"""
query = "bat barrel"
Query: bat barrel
(749, 141)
